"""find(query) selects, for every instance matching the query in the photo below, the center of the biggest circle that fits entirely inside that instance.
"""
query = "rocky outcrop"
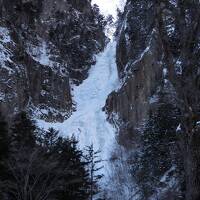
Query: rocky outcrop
(145, 109)
(132, 102)
(46, 47)
(140, 68)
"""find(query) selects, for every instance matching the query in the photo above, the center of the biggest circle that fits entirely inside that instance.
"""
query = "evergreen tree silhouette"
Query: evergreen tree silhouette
(23, 131)
(77, 177)
(93, 160)
(158, 138)
(50, 139)
(4, 138)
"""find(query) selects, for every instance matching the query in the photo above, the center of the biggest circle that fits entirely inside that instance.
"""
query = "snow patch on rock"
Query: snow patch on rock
(41, 54)
(5, 53)
(5, 35)
(154, 99)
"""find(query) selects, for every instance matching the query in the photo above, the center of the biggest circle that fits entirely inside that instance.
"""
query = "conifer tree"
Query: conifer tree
(93, 160)
(23, 131)
(50, 139)
(76, 178)
(158, 138)
(4, 139)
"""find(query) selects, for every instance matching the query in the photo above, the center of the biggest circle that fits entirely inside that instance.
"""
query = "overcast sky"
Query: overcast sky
(108, 6)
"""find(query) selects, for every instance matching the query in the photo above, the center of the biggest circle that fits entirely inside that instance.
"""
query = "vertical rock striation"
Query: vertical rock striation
(46, 47)
(149, 105)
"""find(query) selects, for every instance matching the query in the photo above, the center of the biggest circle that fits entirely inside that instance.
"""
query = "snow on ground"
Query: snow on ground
(88, 123)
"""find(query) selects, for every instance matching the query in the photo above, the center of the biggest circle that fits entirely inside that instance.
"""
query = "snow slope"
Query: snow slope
(88, 123)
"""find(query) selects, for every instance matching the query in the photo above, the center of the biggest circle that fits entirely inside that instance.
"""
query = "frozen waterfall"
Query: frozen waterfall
(88, 123)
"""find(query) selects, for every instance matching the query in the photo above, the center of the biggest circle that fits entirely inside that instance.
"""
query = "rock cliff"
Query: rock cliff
(46, 50)
(152, 101)
(46, 47)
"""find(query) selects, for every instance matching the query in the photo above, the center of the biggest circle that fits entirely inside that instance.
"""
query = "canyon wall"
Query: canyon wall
(46, 48)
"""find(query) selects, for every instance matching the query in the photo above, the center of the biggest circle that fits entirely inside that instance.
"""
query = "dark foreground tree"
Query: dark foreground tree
(32, 175)
(93, 160)
(158, 152)
(4, 151)
(4, 139)
(23, 131)
(38, 174)
(41, 165)
(76, 181)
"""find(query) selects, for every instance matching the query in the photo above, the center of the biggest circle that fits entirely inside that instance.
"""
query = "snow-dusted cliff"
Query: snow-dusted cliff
(45, 46)
(125, 97)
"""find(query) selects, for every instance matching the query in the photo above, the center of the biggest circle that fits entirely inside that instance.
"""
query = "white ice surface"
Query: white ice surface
(88, 123)
(4, 35)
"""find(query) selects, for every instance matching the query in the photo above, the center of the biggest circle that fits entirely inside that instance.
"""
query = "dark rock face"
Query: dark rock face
(139, 66)
(46, 46)
(146, 106)
(140, 82)
(134, 32)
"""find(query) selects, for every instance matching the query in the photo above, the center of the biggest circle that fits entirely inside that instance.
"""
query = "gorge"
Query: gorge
(134, 95)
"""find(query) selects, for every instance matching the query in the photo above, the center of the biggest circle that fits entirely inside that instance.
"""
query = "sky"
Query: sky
(108, 6)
